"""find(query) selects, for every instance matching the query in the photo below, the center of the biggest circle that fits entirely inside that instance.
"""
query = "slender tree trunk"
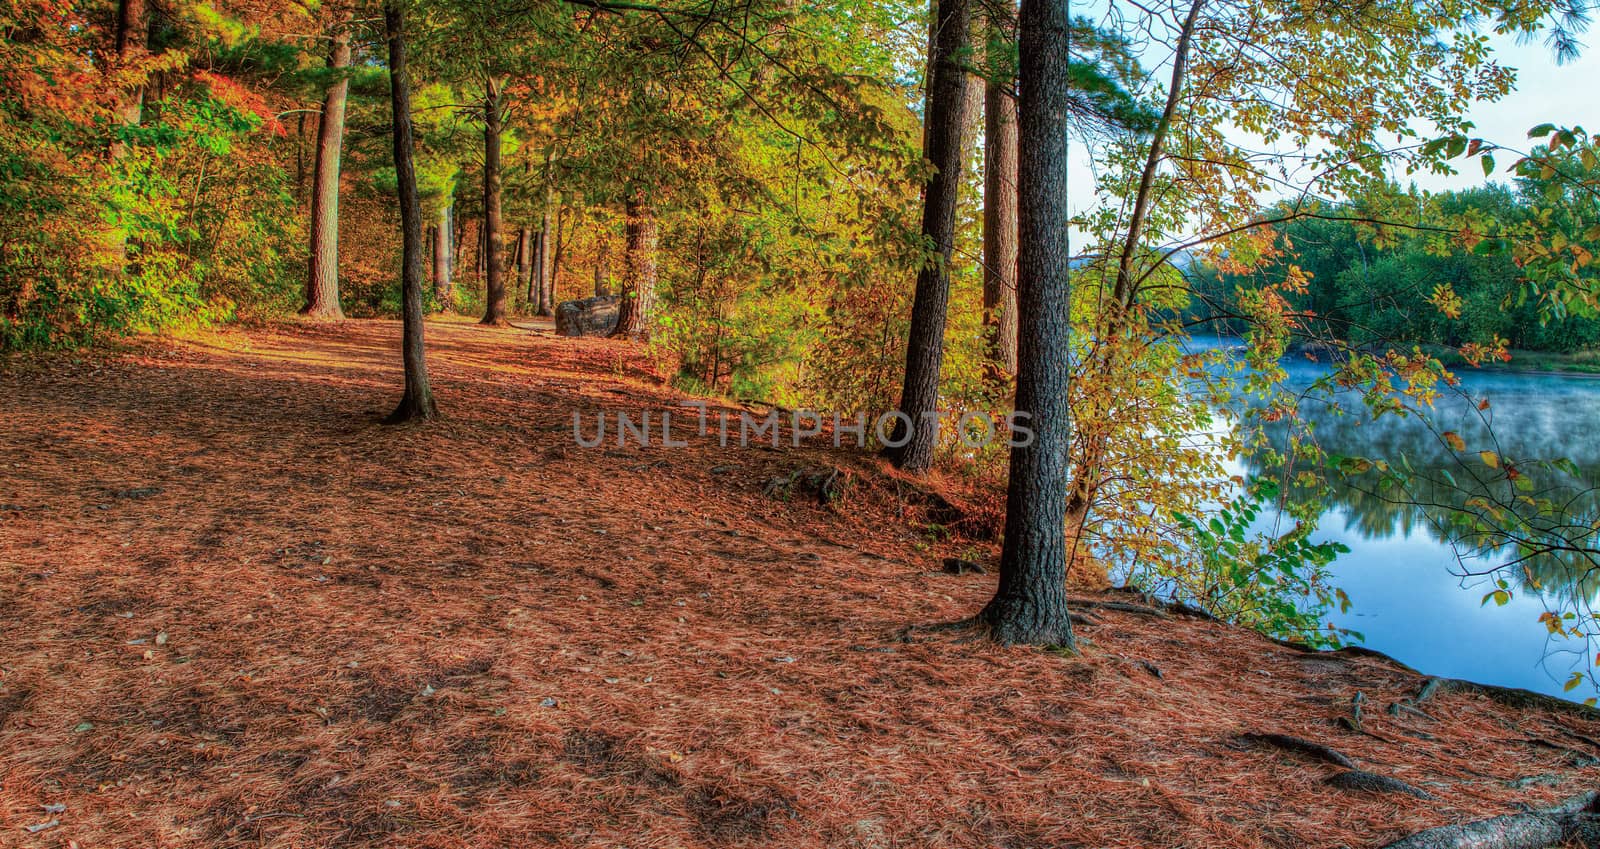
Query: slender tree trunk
(1000, 217)
(639, 288)
(417, 403)
(1030, 605)
(442, 290)
(542, 269)
(132, 39)
(495, 302)
(524, 257)
(557, 250)
(533, 280)
(602, 273)
(322, 278)
(919, 394)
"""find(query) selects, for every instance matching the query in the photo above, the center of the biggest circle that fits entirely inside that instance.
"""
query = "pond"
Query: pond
(1417, 597)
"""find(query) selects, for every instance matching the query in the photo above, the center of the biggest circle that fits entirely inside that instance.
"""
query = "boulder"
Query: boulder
(595, 316)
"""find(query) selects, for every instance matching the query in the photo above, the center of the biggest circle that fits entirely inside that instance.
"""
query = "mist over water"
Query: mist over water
(1416, 596)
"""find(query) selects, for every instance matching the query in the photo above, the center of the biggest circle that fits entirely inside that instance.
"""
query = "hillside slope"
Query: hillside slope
(236, 611)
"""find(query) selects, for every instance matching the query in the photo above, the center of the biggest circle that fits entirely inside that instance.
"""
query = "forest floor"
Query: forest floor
(237, 611)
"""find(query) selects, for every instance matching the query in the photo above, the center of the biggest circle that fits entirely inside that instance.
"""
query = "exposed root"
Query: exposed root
(1371, 782)
(1555, 826)
(1302, 746)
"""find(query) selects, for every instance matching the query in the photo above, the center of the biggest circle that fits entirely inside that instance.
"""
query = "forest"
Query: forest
(1154, 341)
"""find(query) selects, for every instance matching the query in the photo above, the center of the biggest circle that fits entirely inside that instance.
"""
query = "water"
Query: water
(1416, 596)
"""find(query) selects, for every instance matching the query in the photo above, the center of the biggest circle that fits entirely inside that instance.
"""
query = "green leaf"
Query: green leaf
(1488, 164)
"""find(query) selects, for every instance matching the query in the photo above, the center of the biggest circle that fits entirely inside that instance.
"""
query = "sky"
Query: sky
(1565, 95)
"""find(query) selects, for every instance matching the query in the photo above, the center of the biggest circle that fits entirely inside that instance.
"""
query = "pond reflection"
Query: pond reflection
(1417, 580)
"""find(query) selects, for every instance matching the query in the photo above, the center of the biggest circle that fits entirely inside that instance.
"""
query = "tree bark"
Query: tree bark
(322, 278)
(557, 249)
(919, 394)
(639, 287)
(535, 272)
(442, 289)
(1030, 605)
(1000, 217)
(417, 403)
(546, 305)
(494, 268)
(602, 274)
(132, 39)
(524, 257)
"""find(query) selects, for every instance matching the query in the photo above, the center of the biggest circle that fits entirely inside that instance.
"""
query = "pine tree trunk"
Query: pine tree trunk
(1000, 223)
(322, 278)
(542, 269)
(602, 274)
(557, 246)
(524, 258)
(442, 290)
(639, 287)
(494, 267)
(536, 261)
(417, 403)
(919, 394)
(1030, 605)
(133, 32)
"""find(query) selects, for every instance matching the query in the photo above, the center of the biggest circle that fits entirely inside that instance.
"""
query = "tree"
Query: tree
(1030, 605)
(494, 265)
(911, 447)
(443, 291)
(1000, 199)
(322, 278)
(417, 403)
(639, 286)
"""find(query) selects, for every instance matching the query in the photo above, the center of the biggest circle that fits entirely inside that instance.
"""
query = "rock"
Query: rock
(587, 317)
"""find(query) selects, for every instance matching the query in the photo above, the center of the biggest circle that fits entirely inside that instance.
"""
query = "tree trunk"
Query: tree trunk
(494, 268)
(524, 257)
(542, 269)
(133, 34)
(558, 247)
(1000, 220)
(536, 261)
(639, 287)
(919, 394)
(1030, 605)
(322, 279)
(442, 290)
(417, 403)
(602, 274)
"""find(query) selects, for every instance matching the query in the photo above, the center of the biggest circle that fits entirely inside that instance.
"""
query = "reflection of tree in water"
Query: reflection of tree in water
(1526, 519)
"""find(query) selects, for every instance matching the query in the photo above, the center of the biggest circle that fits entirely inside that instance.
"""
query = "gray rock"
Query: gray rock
(587, 317)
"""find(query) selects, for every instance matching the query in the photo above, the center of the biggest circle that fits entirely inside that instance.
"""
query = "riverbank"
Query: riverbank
(1526, 362)
(238, 611)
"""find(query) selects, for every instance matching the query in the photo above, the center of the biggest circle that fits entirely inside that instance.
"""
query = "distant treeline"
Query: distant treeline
(1376, 286)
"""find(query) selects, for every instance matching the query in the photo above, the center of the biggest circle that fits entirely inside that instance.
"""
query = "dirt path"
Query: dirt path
(235, 611)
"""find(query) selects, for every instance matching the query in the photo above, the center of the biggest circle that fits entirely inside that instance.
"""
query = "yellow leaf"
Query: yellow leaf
(1490, 459)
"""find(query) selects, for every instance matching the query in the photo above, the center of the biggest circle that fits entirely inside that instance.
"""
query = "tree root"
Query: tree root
(1371, 782)
(1574, 819)
(1304, 747)
(1124, 607)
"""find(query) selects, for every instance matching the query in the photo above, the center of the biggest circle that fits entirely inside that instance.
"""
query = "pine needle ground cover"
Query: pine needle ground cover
(236, 611)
